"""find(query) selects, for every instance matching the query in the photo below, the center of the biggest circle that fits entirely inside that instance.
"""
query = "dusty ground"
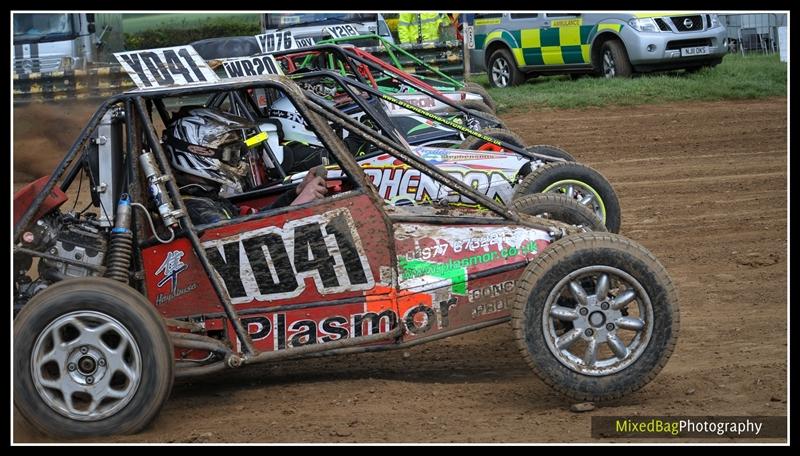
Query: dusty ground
(702, 185)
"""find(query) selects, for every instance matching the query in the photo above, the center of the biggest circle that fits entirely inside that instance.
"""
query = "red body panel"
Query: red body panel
(25, 196)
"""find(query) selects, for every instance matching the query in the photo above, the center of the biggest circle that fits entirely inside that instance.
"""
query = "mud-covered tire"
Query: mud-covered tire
(536, 339)
(476, 105)
(476, 88)
(70, 309)
(473, 143)
(553, 206)
(553, 151)
(587, 182)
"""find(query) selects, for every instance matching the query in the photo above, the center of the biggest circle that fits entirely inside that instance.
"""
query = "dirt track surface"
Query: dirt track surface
(702, 185)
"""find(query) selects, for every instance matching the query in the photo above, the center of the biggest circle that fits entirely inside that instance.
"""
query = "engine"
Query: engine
(74, 246)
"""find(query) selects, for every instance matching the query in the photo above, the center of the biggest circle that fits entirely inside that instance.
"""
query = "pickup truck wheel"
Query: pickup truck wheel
(473, 143)
(92, 357)
(577, 181)
(614, 61)
(478, 89)
(503, 71)
(595, 316)
(558, 207)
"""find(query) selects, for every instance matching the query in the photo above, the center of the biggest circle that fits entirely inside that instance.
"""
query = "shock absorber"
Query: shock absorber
(120, 250)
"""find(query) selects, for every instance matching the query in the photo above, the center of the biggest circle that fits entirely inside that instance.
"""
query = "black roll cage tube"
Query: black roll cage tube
(308, 108)
(349, 56)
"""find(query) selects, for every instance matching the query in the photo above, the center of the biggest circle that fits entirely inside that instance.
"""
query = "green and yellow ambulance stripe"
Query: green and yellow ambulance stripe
(567, 41)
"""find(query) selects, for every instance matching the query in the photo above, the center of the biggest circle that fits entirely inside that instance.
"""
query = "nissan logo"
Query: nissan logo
(688, 23)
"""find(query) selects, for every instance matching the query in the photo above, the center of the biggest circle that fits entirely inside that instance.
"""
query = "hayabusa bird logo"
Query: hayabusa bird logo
(171, 267)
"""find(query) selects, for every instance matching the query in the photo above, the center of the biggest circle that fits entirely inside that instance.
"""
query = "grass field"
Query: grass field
(737, 77)
(134, 23)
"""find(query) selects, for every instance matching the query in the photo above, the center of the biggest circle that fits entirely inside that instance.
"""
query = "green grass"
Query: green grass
(737, 77)
(135, 23)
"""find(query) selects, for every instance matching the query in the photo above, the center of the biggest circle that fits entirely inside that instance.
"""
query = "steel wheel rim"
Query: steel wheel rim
(583, 193)
(501, 72)
(96, 363)
(609, 67)
(572, 314)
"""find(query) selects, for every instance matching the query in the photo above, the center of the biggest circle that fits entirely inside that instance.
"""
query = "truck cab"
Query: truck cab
(53, 42)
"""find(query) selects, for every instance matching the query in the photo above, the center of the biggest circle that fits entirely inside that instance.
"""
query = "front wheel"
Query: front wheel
(552, 206)
(577, 181)
(595, 316)
(614, 61)
(91, 357)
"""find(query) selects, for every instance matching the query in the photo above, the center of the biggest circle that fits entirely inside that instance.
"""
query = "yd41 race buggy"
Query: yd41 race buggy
(117, 302)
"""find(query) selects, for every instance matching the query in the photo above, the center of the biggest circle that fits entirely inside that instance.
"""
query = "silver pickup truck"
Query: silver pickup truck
(514, 46)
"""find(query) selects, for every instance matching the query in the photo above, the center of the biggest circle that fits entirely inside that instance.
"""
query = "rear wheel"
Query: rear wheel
(481, 90)
(91, 357)
(508, 136)
(553, 206)
(595, 316)
(502, 69)
(576, 181)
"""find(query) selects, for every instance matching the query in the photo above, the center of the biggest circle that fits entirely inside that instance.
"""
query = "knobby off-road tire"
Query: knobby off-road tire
(478, 89)
(547, 313)
(558, 207)
(586, 184)
(476, 105)
(99, 343)
(473, 143)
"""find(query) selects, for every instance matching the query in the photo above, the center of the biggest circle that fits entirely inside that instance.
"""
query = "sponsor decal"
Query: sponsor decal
(429, 257)
(441, 120)
(392, 182)
(456, 270)
(494, 298)
(251, 66)
(171, 268)
(293, 329)
(293, 116)
(272, 263)
(154, 68)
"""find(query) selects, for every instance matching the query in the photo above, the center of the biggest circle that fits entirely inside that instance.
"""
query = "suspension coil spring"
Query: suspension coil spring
(120, 254)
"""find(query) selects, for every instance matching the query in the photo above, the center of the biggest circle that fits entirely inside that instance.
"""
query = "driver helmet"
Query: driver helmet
(293, 124)
(209, 147)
